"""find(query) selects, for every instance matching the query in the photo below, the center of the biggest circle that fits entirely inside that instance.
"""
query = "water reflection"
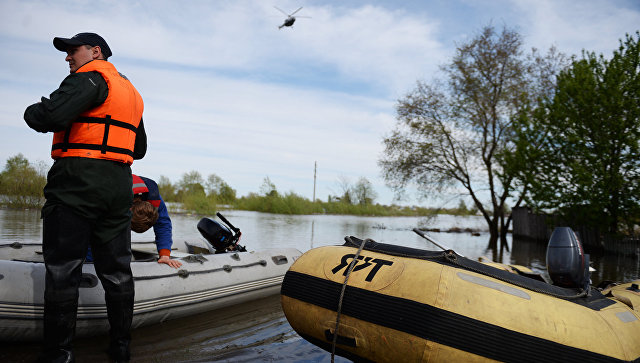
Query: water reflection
(615, 268)
(529, 254)
(264, 230)
(313, 223)
(607, 267)
(249, 332)
(20, 225)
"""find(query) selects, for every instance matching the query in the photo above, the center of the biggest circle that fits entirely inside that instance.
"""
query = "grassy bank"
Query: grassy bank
(292, 203)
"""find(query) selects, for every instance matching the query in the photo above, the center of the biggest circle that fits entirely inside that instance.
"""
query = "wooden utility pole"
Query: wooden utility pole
(315, 168)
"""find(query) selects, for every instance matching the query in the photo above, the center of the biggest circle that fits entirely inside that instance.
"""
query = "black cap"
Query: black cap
(91, 39)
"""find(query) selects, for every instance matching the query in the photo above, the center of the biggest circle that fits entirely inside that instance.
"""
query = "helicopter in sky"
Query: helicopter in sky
(290, 18)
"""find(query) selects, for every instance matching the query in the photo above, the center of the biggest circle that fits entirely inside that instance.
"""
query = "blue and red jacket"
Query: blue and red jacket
(147, 189)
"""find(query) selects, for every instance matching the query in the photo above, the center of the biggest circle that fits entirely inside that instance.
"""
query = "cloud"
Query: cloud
(371, 44)
(592, 25)
(368, 44)
(267, 129)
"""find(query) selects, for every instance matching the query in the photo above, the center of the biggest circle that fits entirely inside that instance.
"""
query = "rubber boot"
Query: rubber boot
(112, 261)
(120, 314)
(65, 240)
(59, 330)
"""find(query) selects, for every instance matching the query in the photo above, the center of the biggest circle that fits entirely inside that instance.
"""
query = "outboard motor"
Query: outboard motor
(220, 236)
(567, 264)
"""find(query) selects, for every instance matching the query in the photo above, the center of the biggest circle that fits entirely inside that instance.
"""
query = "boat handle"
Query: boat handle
(342, 340)
(279, 260)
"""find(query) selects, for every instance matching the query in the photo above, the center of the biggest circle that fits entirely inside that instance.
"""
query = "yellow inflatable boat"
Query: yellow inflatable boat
(407, 305)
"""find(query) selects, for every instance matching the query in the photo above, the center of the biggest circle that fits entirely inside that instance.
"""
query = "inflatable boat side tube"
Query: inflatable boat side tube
(594, 300)
(430, 323)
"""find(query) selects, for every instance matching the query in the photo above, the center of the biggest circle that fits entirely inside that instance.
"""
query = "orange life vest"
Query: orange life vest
(109, 130)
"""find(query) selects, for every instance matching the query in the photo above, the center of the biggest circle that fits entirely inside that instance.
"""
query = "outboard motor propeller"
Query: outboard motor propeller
(567, 264)
(220, 236)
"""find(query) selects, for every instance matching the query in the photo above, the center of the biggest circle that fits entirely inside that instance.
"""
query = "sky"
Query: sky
(228, 93)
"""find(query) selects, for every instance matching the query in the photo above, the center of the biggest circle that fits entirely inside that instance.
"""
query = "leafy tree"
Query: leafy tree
(217, 187)
(166, 188)
(16, 163)
(21, 183)
(579, 150)
(267, 188)
(455, 133)
(191, 184)
(363, 192)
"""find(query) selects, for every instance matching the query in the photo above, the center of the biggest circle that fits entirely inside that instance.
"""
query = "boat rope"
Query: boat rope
(344, 286)
(186, 273)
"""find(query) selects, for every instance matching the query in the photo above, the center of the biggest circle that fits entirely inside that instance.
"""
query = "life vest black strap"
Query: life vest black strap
(65, 140)
(65, 145)
(107, 121)
(100, 147)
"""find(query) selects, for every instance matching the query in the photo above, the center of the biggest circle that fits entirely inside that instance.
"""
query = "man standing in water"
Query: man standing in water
(96, 117)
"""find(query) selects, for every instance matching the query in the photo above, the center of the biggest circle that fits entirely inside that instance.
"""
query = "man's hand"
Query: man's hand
(169, 261)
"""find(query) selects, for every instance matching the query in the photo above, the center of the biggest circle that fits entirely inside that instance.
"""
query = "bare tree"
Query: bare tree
(363, 192)
(267, 188)
(345, 188)
(455, 133)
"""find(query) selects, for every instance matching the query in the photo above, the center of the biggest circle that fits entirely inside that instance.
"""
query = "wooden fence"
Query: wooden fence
(529, 225)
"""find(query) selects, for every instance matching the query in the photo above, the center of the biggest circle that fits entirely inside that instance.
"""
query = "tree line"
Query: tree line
(22, 183)
(206, 195)
(514, 128)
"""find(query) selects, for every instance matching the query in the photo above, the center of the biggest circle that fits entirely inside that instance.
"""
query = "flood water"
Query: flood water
(258, 331)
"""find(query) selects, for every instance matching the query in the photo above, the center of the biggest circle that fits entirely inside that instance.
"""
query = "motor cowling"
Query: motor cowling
(567, 264)
(218, 235)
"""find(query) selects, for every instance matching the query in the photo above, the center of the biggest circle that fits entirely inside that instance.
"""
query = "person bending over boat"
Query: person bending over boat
(96, 118)
(149, 210)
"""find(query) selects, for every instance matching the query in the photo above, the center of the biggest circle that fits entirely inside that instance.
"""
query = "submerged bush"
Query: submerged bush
(21, 183)
(199, 203)
(290, 203)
